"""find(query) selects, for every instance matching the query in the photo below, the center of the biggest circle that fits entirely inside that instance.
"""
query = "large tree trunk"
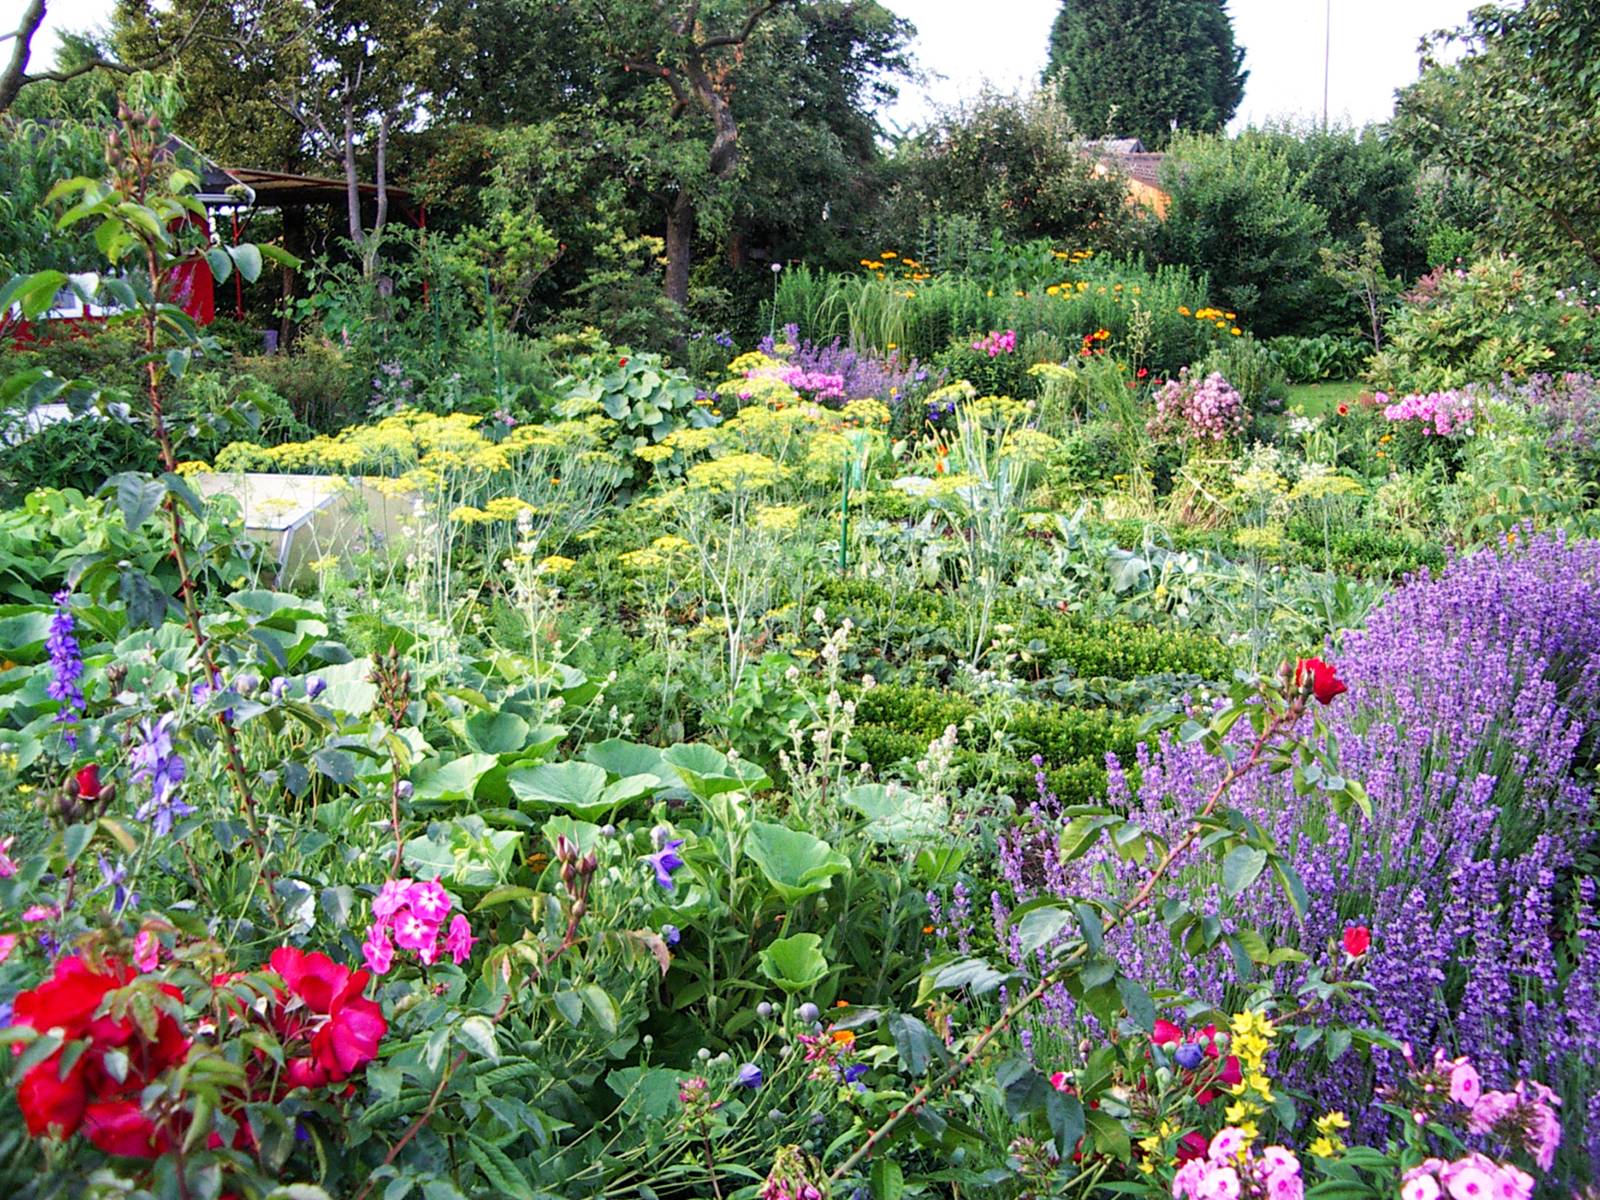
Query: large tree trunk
(15, 74)
(680, 247)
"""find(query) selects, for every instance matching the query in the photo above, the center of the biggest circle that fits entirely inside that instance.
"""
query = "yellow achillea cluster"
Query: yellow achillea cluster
(1252, 1036)
(501, 508)
(778, 518)
(1030, 445)
(995, 411)
(736, 472)
(658, 554)
(1328, 1143)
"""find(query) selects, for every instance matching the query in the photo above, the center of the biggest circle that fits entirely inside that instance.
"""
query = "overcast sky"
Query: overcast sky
(962, 43)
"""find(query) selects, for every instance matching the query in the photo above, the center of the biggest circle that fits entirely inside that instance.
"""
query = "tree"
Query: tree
(696, 50)
(1140, 68)
(15, 75)
(1517, 110)
(1239, 214)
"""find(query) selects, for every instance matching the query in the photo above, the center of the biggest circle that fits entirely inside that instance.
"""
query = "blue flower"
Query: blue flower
(1189, 1056)
(315, 686)
(749, 1076)
(854, 1072)
(156, 763)
(670, 934)
(66, 665)
(666, 861)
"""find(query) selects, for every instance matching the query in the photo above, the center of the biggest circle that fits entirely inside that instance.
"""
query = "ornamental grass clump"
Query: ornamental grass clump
(1472, 714)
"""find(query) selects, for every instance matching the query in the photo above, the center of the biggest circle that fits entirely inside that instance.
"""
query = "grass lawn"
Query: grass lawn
(1314, 399)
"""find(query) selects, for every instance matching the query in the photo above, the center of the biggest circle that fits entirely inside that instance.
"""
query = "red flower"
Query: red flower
(1191, 1146)
(1166, 1033)
(622, 362)
(68, 1000)
(89, 782)
(1356, 940)
(1229, 1076)
(1142, 372)
(1325, 681)
(1344, 410)
(348, 1039)
(120, 1127)
(50, 1102)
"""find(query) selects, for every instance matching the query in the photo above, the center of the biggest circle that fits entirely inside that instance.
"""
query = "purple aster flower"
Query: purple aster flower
(156, 763)
(749, 1076)
(66, 665)
(666, 861)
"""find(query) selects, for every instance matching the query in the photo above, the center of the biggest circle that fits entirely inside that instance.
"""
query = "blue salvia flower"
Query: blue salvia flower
(66, 665)
(155, 762)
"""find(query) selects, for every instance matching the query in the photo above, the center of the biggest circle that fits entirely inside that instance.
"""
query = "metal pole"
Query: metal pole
(1327, 58)
(494, 347)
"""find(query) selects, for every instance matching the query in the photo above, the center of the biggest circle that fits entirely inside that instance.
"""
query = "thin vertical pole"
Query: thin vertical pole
(844, 523)
(1327, 58)
(494, 346)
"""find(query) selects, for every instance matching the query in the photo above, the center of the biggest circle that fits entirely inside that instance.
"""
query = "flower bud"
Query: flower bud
(580, 909)
(589, 863)
(568, 874)
(404, 789)
(764, 1010)
(247, 684)
(566, 852)
(809, 1013)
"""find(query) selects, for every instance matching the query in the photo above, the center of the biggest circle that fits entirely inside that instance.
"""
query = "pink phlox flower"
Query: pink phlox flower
(459, 940)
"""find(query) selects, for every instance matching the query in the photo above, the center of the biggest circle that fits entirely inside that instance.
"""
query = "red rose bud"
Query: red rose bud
(89, 782)
(1357, 939)
(1325, 681)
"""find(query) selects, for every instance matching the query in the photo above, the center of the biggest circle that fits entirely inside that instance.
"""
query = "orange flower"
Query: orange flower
(843, 1037)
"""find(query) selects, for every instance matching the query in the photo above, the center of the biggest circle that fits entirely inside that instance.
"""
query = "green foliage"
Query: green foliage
(1240, 214)
(1014, 165)
(1323, 356)
(1140, 68)
(1250, 366)
(1496, 318)
(1516, 112)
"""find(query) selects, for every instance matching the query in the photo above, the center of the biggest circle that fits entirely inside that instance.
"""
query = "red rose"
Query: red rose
(1229, 1076)
(50, 1102)
(1356, 940)
(1325, 681)
(1191, 1146)
(348, 1039)
(120, 1127)
(70, 997)
(89, 782)
(1166, 1033)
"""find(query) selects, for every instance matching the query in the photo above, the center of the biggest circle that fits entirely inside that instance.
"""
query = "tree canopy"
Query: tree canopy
(1142, 68)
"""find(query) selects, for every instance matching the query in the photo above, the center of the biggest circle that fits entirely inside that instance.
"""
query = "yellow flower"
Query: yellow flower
(1330, 1122)
(1183, 311)
(554, 565)
(1236, 331)
(1325, 1147)
(888, 254)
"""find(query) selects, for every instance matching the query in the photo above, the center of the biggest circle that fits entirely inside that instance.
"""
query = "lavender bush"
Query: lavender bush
(839, 374)
(1473, 717)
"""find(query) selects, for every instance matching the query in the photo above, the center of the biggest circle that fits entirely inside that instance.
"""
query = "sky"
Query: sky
(961, 44)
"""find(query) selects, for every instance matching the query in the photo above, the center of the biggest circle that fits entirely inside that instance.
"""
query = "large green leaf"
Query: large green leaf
(795, 963)
(622, 758)
(707, 772)
(577, 787)
(795, 863)
(895, 814)
(455, 779)
(496, 732)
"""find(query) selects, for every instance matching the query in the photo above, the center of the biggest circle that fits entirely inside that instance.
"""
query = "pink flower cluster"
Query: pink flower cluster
(1231, 1169)
(1523, 1117)
(996, 343)
(413, 914)
(1441, 414)
(1209, 409)
(1475, 1177)
(819, 385)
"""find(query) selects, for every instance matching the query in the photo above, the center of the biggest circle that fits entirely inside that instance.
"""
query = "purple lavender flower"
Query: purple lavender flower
(66, 665)
(666, 861)
(157, 764)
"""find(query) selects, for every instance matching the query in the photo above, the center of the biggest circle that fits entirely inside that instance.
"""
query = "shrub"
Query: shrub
(1239, 214)
(1478, 324)
(1324, 356)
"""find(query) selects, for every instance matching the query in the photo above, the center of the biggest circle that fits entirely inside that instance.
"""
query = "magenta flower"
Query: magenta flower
(377, 949)
(459, 940)
(411, 932)
(391, 898)
(429, 901)
(8, 868)
(146, 951)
